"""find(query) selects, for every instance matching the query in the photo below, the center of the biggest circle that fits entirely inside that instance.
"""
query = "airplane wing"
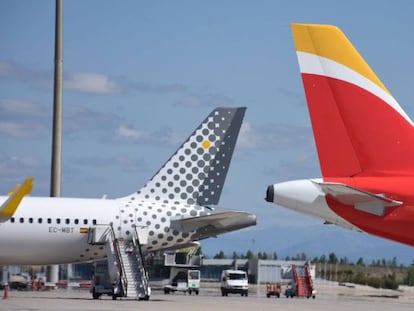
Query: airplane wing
(365, 201)
(8, 208)
(217, 222)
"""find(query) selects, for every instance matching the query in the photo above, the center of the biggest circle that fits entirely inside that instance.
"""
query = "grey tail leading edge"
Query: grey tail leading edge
(196, 172)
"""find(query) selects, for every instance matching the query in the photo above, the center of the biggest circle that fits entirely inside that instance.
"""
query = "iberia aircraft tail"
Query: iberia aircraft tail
(359, 127)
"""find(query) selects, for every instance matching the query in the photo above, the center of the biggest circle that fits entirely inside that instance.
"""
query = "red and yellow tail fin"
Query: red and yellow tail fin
(358, 125)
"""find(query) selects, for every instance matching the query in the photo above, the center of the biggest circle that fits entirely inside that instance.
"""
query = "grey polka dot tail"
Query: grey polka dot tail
(197, 170)
(175, 206)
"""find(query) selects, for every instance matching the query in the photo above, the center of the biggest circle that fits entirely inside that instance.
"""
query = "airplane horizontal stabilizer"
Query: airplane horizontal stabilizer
(8, 208)
(217, 222)
(368, 202)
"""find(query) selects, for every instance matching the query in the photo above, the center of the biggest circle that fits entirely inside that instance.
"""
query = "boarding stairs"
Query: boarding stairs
(303, 281)
(134, 268)
(125, 261)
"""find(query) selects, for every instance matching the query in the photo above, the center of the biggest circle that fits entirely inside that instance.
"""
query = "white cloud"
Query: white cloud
(15, 168)
(85, 82)
(12, 129)
(22, 130)
(7, 69)
(91, 83)
(246, 139)
(129, 133)
(10, 108)
(273, 136)
(22, 119)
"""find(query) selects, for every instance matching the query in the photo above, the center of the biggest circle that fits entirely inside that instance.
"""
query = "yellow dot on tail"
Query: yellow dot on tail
(206, 144)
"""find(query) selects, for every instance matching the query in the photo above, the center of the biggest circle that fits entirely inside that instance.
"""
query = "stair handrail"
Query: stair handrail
(119, 261)
(137, 246)
(295, 278)
(309, 277)
(295, 273)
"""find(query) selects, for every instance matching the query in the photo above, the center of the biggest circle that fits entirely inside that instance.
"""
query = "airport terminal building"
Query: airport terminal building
(260, 271)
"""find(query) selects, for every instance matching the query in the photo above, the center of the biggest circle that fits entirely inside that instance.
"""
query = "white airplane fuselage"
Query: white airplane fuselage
(304, 196)
(172, 208)
(49, 230)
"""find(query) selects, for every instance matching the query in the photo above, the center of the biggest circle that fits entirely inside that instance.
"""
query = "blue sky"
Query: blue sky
(139, 76)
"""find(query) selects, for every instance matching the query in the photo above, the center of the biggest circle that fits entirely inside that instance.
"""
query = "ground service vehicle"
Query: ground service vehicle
(234, 282)
(273, 289)
(183, 280)
(102, 284)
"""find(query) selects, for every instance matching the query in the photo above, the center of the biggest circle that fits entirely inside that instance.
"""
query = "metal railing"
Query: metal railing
(120, 264)
(309, 277)
(140, 258)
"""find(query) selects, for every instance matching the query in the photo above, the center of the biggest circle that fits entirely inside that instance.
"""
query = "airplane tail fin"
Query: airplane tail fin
(359, 127)
(9, 207)
(196, 172)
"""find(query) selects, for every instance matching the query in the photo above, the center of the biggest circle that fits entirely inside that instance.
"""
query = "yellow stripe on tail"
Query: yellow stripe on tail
(330, 42)
(9, 207)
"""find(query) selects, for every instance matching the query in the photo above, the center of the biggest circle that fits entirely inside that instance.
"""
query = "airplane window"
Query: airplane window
(85, 221)
(21, 220)
(39, 220)
(58, 220)
(12, 220)
(67, 221)
(94, 221)
(76, 221)
(49, 220)
(31, 220)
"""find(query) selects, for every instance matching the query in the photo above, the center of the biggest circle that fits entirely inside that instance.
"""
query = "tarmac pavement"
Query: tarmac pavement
(329, 297)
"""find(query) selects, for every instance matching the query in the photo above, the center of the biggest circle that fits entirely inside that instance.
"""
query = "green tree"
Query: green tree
(220, 255)
(249, 254)
(409, 279)
(390, 282)
(360, 262)
(332, 258)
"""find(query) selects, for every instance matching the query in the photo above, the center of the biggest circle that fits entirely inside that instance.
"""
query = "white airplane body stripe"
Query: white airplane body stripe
(314, 64)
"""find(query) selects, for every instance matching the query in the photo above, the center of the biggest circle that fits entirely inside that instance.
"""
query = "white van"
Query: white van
(234, 282)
